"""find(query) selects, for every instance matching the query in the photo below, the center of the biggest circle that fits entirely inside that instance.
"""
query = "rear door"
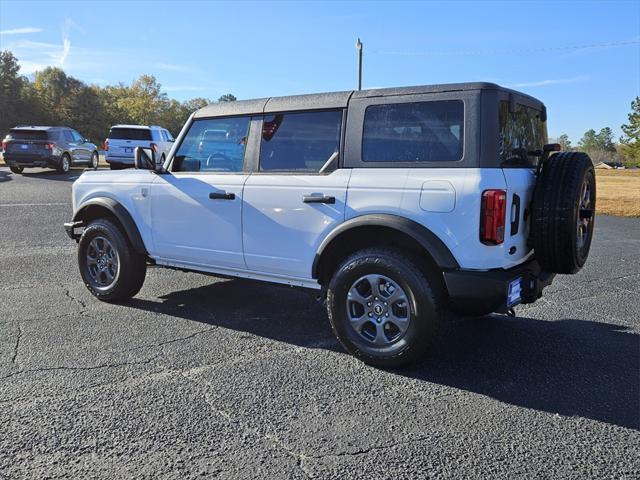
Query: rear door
(123, 140)
(297, 194)
(26, 144)
(522, 132)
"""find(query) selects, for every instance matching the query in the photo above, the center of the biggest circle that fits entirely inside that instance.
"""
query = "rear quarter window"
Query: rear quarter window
(521, 132)
(414, 132)
(130, 134)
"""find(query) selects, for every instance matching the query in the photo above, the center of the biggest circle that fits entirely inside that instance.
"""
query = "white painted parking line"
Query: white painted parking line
(32, 204)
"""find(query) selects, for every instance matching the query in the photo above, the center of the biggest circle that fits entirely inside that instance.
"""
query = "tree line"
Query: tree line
(52, 97)
(602, 147)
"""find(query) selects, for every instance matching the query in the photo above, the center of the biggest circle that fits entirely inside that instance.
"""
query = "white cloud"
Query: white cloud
(544, 83)
(19, 31)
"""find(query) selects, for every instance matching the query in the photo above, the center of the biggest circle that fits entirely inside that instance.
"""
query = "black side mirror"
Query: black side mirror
(144, 158)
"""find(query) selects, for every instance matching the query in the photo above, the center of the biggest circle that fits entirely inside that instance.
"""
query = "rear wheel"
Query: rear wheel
(65, 164)
(563, 212)
(16, 169)
(383, 308)
(110, 267)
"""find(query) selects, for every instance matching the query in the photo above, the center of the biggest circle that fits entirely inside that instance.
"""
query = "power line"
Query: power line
(502, 52)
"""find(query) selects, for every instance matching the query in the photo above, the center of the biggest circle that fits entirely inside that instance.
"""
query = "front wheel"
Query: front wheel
(382, 307)
(94, 161)
(16, 169)
(110, 267)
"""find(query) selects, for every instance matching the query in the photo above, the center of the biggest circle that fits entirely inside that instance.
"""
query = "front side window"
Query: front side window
(77, 137)
(68, 136)
(213, 145)
(300, 142)
(414, 132)
(522, 133)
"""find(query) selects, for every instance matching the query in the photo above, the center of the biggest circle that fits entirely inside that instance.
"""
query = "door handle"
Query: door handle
(222, 196)
(318, 199)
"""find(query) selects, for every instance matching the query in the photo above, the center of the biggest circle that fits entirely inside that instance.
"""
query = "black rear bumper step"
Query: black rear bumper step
(473, 292)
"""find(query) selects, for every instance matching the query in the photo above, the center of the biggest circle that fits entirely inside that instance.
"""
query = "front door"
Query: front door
(196, 209)
(297, 196)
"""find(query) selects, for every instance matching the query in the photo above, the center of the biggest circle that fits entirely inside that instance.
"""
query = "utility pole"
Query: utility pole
(359, 47)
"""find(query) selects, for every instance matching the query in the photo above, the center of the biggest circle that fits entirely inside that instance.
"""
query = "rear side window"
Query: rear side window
(213, 145)
(414, 132)
(130, 134)
(18, 134)
(521, 132)
(299, 142)
(155, 135)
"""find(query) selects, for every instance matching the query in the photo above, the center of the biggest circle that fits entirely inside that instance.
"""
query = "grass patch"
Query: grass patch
(618, 192)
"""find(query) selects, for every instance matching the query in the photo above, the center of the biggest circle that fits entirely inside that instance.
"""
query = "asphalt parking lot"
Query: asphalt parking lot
(199, 376)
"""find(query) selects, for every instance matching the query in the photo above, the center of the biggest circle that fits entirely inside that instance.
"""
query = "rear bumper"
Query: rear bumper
(125, 160)
(473, 292)
(35, 161)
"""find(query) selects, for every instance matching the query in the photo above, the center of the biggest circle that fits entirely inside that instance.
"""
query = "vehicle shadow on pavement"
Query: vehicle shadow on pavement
(570, 367)
(277, 312)
(5, 176)
(71, 176)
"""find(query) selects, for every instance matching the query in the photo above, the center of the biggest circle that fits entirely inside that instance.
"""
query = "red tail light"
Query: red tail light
(154, 147)
(106, 144)
(49, 146)
(493, 216)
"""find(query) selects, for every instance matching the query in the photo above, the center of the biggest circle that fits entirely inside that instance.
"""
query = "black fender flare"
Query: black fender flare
(123, 216)
(421, 234)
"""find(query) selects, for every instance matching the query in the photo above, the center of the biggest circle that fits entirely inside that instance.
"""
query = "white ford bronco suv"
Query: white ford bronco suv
(399, 205)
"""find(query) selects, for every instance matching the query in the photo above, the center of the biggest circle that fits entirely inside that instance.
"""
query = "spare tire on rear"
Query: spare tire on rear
(563, 212)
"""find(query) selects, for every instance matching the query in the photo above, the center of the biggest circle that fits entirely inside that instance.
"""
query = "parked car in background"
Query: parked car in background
(50, 147)
(123, 139)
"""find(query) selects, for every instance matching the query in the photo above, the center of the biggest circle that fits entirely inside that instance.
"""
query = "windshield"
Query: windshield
(522, 133)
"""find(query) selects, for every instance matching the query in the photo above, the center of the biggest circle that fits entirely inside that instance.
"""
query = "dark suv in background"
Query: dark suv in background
(51, 147)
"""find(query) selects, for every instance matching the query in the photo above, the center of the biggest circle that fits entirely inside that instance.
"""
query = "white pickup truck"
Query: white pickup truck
(400, 205)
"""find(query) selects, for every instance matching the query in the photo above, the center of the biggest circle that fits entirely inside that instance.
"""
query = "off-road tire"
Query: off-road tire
(62, 166)
(557, 212)
(16, 170)
(425, 300)
(132, 266)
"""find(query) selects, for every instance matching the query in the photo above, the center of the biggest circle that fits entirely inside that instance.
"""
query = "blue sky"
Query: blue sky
(262, 49)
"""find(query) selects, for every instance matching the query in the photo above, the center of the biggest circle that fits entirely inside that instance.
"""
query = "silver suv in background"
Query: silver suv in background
(123, 139)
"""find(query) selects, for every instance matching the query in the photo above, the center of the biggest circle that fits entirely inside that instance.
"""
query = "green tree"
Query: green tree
(15, 107)
(227, 97)
(564, 142)
(631, 138)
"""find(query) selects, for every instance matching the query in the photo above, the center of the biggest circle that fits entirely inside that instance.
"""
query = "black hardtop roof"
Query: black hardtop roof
(337, 99)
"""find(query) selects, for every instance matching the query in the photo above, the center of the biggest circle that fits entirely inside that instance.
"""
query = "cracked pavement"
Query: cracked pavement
(199, 376)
